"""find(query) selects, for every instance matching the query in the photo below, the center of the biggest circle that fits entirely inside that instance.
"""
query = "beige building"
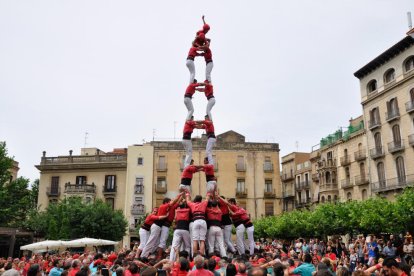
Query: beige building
(14, 170)
(290, 163)
(387, 95)
(303, 185)
(247, 171)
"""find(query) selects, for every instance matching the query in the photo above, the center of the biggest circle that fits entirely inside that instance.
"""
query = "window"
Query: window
(381, 174)
(329, 155)
(139, 185)
(399, 162)
(349, 196)
(307, 196)
(378, 142)
(80, 180)
(269, 209)
(329, 198)
(323, 199)
(268, 166)
(306, 178)
(347, 173)
(162, 163)
(333, 177)
(110, 182)
(140, 161)
(392, 107)
(110, 202)
(396, 135)
(362, 170)
(299, 196)
(389, 76)
(240, 163)
(54, 185)
(364, 194)
(161, 182)
(269, 185)
(240, 185)
(409, 64)
(372, 86)
(328, 177)
(412, 95)
(374, 115)
(335, 198)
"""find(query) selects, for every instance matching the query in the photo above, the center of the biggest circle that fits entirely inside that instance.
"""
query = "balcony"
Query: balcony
(377, 152)
(109, 190)
(360, 155)
(269, 193)
(303, 202)
(240, 167)
(328, 187)
(86, 161)
(328, 164)
(346, 183)
(409, 106)
(288, 193)
(315, 177)
(304, 185)
(361, 180)
(395, 146)
(241, 193)
(287, 176)
(392, 115)
(138, 209)
(138, 189)
(268, 167)
(411, 140)
(393, 184)
(374, 124)
(80, 188)
(161, 188)
(53, 191)
(345, 160)
(161, 167)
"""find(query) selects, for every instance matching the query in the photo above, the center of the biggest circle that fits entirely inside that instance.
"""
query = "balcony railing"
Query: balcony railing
(345, 160)
(327, 164)
(409, 106)
(361, 180)
(374, 124)
(84, 159)
(303, 185)
(346, 183)
(241, 193)
(268, 167)
(53, 192)
(360, 155)
(328, 187)
(138, 209)
(395, 146)
(287, 176)
(138, 189)
(80, 188)
(162, 167)
(109, 189)
(315, 177)
(393, 184)
(377, 152)
(392, 115)
(411, 140)
(240, 167)
(269, 193)
(303, 202)
(288, 193)
(160, 188)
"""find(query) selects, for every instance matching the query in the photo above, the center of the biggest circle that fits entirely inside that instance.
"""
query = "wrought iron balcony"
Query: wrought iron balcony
(393, 184)
(392, 115)
(303, 185)
(409, 106)
(107, 190)
(360, 155)
(288, 193)
(345, 160)
(269, 193)
(346, 183)
(328, 187)
(80, 188)
(374, 124)
(241, 193)
(161, 188)
(303, 202)
(240, 167)
(268, 167)
(377, 152)
(395, 146)
(287, 176)
(327, 164)
(361, 180)
(138, 209)
(53, 191)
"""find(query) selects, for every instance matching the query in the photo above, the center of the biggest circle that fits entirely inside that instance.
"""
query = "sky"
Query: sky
(283, 70)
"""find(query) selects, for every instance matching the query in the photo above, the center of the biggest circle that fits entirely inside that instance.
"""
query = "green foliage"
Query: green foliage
(72, 218)
(374, 215)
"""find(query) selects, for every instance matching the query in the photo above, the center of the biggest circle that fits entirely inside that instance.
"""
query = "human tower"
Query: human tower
(199, 223)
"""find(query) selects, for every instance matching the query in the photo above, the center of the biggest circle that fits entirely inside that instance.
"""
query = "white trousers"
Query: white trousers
(188, 147)
(227, 237)
(181, 238)
(191, 237)
(240, 239)
(199, 230)
(189, 104)
(211, 186)
(215, 235)
(191, 68)
(143, 238)
(152, 241)
(250, 237)
(164, 237)
(209, 150)
(209, 68)
(211, 102)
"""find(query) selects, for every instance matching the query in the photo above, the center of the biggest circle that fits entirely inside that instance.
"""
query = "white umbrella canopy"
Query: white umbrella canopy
(88, 242)
(48, 244)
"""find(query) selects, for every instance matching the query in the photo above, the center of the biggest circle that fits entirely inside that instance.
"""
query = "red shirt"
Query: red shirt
(208, 55)
(189, 126)
(209, 169)
(208, 91)
(149, 220)
(163, 209)
(213, 217)
(73, 271)
(171, 214)
(189, 171)
(198, 207)
(200, 272)
(208, 126)
(191, 88)
(192, 53)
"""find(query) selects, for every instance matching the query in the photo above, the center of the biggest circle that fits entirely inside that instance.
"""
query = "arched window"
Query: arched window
(335, 198)
(333, 177)
(392, 107)
(381, 174)
(389, 75)
(399, 162)
(328, 177)
(359, 146)
(364, 194)
(349, 196)
(412, 95)
(374, 116)
(372, 86)
(396, 135)
(347, 173)
(329, 198)
(409, 64)
(362, 170)
(323, 199)
(378, 142)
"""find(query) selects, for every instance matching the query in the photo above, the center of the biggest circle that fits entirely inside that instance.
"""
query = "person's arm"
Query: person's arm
(204, 22)
(188, 199)
(200, 89)
(373, 268)
(176, 199)
(161, 217)
(140, 264)
(161, 263)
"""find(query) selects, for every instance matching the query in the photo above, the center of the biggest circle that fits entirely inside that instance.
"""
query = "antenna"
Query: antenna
(153, 134)
(297, 145)
(86, 139)
(410, 23)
